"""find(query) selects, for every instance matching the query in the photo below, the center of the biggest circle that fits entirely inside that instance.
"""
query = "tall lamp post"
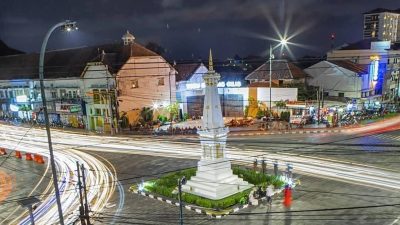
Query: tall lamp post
(282, 42)
(67, 26)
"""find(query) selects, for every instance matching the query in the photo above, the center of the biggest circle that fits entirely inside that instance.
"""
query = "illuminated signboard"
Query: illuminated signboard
(233, 84)
(193, 86)
(14, 108)
(374, 68)
(22, 98)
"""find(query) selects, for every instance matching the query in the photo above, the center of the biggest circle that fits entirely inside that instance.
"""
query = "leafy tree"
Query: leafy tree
(281, 104)
(146, 114)
(124, 120)
(173, 110)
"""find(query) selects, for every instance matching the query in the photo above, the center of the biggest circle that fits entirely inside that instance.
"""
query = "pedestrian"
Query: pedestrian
(270, 192)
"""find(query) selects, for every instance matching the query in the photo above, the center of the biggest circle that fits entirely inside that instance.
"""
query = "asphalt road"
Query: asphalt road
(362, 160)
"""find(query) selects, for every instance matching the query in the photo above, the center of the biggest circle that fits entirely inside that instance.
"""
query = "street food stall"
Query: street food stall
(299, 112)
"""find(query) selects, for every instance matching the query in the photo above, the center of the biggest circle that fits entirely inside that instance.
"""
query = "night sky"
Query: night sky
(188, 28)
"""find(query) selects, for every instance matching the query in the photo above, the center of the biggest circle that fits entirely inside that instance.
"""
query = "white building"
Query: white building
(233, 90)
(383, 24)
(146, 79)
(382, 58)
(340, 79)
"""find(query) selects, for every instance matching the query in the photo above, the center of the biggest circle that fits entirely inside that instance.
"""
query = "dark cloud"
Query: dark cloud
(187, 28)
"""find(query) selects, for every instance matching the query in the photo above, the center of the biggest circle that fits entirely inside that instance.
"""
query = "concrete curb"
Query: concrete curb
(288, 132)
(191, 207)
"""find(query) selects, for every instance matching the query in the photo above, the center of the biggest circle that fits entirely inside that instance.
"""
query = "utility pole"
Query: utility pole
(110, 102)
(85, 194)
(181, 182)
(319, 104)
(81, 209)
(322, 97)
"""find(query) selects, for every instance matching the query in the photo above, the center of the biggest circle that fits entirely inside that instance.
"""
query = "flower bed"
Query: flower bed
(167, 186)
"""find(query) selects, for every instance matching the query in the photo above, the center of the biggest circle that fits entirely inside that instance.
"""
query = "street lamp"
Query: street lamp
(283, 42)
(67, 26)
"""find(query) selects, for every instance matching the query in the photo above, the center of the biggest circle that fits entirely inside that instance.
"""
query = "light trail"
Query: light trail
(96, 172)
(67, 148)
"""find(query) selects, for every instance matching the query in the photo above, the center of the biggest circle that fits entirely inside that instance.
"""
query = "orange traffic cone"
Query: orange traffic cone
(39, 159)
(28, 156)
(3, 151)
(18, 154)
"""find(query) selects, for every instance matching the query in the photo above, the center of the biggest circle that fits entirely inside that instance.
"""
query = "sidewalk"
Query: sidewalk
(251, 130)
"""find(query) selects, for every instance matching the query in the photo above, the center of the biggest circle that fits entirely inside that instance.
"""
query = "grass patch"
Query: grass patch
(167, 186)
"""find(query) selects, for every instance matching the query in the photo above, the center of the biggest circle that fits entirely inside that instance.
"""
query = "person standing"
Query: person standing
(270, 192)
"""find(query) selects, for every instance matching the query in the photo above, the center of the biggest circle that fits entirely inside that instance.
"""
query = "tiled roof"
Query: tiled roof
(347, 64)
(186, 70)
(263, 84)
(68, 62)
(281, 70)
(382, 10)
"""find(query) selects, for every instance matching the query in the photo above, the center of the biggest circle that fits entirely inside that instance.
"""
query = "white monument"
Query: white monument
(214, 178)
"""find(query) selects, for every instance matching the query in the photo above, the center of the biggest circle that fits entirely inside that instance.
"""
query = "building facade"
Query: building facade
(383, 24)
(341, 80)
(144, 80)
(81, 84)
(381, 58)
(234, 92)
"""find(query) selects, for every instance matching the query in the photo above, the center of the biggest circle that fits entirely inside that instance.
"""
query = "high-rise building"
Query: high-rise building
(383, 24)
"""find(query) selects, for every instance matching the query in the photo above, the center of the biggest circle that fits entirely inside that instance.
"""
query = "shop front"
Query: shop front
(70, 115)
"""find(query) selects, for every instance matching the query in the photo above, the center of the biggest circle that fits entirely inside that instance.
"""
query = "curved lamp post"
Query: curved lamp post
(282, 42)
(67, 26)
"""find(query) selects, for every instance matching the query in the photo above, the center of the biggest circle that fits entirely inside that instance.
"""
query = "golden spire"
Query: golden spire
(210, 62)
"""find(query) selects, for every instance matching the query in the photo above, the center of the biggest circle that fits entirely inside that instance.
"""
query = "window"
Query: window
(96, 96)
(341, 94)
(1, 94)
(63, 93)
(74, 95)
(135, 84)
(160, 81)
(98, 112)
(103, 96)
(53, 94)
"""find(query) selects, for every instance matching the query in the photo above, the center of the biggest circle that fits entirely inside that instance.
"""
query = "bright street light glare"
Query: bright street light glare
(284, 42)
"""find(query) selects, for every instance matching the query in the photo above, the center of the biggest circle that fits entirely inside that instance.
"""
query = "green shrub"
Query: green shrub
(166, 184)
(285, 116)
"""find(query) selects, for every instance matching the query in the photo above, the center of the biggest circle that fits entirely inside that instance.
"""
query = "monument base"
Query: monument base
(215, 180)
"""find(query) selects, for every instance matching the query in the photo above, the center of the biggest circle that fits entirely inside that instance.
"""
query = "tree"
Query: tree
(146, 114)
(124, 120)
(155, 48)
(173, 110)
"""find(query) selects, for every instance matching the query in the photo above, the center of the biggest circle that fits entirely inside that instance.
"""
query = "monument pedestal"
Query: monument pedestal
(215, 180)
